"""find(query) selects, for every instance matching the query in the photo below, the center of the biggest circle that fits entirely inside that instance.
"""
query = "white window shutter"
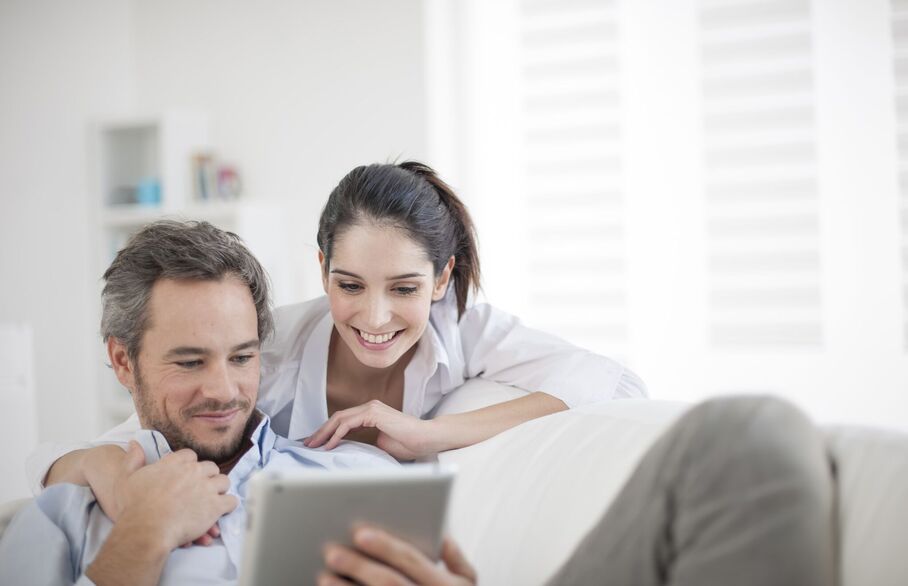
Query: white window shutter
(900, 45)
(573, 169)
(760, 173)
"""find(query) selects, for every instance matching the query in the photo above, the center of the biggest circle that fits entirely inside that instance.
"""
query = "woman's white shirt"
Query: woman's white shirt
(485, 342)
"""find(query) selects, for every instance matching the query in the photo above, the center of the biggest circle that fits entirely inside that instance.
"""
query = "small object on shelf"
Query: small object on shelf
(204, 176)
(229, 186)
(148, 192)
(213, 180)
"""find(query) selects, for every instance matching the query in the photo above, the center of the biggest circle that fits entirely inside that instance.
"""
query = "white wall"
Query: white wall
(57, 70)
(298, 92)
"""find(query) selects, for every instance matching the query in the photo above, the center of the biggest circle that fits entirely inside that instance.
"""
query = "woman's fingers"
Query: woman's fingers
(327, 430)
(343, 422)
(343, 429)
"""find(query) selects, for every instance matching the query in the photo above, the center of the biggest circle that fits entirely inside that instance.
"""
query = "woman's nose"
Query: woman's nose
(378, 313)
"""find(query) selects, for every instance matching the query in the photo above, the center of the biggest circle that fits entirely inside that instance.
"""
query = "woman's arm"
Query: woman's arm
(406, 437)
(73, 467)
(100, 467)
(497, 346)
(52, 463)
(450, 432)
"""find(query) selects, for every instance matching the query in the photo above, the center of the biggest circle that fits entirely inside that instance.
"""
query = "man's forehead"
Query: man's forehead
(201, 307)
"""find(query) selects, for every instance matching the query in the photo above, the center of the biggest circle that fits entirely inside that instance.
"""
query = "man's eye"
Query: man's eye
(350, 287)
(189, 363)
(242, 358)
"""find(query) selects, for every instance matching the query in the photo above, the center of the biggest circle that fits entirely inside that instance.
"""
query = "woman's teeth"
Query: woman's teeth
(380, 339)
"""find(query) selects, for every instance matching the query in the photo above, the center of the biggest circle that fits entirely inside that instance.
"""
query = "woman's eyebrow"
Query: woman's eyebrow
(394, 278)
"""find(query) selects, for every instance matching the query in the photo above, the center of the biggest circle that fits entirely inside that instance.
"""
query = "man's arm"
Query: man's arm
(379, 558)
(134, 553)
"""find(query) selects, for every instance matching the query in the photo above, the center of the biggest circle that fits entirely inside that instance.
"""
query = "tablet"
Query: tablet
(291, 514)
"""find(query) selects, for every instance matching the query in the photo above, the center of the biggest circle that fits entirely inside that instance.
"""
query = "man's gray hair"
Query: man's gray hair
(168, 249)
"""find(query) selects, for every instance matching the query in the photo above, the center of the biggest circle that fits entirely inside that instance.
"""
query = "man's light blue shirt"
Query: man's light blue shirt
(55, 538)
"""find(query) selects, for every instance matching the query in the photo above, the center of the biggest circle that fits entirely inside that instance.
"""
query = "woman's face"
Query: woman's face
(380, 286)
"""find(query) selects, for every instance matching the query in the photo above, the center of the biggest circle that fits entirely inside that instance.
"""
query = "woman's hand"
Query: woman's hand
(380, 558)
(403, 436)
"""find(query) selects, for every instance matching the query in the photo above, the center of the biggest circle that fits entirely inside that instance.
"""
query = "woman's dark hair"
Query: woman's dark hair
(409, 196)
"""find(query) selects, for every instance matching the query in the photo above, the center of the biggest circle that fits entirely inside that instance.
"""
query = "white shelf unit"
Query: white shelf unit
(161, 149)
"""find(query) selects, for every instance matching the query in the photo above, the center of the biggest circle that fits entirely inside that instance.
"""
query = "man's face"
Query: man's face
(197, 374)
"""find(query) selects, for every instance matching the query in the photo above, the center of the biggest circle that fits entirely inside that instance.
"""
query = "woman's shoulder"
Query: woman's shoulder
(293, 324)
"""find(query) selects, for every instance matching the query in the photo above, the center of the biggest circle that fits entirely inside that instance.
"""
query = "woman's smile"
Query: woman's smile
(376, 341)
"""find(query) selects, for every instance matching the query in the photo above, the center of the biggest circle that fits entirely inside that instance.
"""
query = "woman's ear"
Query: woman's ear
(441, 283)
(122, 366)
(321, 262)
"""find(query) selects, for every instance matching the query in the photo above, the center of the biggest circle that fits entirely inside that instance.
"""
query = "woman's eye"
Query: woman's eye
(406, 290)
(350, 287)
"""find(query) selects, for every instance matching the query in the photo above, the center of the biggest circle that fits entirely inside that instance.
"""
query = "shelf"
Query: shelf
(135, 215)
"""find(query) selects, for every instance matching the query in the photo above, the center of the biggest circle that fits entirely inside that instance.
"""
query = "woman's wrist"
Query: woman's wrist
(442, 434)
(101, 466)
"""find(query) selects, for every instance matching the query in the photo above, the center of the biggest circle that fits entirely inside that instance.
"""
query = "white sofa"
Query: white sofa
(524, 499)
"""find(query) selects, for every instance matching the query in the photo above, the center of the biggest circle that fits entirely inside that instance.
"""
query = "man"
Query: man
(185, 311)
(737, 491)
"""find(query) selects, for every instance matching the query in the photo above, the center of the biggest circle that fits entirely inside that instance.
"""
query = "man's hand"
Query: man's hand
(382, 559)
(107, 470)
(178, 497)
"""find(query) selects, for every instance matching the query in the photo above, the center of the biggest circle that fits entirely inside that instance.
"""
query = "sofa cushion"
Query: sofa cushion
(575, 462)
(872, 472)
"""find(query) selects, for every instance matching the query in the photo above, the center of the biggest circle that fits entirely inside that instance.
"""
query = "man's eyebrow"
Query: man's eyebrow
(394, 278)
(254, 343)
(194, 351)
(186, 351)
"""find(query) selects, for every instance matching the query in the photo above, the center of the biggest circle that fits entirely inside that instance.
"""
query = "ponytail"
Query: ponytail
(466, 272)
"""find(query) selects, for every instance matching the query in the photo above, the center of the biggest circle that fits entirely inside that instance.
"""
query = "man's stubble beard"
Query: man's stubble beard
(178, 438)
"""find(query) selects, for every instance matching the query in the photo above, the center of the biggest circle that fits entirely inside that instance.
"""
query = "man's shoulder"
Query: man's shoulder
(347, 455)
(45, 541)
(58, 500)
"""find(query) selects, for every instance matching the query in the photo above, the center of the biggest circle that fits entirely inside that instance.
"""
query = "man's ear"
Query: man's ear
(321, 262)
(122, 365)
(441, 283)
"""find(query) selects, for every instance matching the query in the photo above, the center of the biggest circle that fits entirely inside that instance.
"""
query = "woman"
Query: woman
(395, 332)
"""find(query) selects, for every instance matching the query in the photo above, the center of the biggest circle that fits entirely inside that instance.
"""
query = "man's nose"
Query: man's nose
(218, 384)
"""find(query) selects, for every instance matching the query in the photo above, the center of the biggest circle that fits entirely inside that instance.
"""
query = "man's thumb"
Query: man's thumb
(135, 457)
